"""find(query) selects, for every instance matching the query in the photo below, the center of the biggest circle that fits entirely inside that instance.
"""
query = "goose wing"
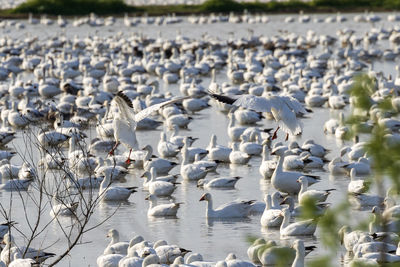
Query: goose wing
(147, 111)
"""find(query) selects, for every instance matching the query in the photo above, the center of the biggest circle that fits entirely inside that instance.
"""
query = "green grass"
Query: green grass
(104, 7)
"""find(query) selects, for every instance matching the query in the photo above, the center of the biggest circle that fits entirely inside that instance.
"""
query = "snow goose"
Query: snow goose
(315, 149)
(283, 108)
(18, 262)
(350, 238)
(366, 245)
(235, 209)
(10, 250)
(380, 257)
(178, 139)
(287, 181)
(109, 260)
(306, 227)
(267, 166)
(270, 217)
(314, 195)
(234, 131)
(126, 120)
(193, 151)
(191, 171)
(252, 251)
(159, 188)
(116, 172)
(361, 166)
(16, 184)
(60, 208)
(247, 117)
(113, 193)
(237, 156)
(168, 253)
(162, 209)
(232, 261)
(357, 186)
(194, 105)
(162, 166)
(165, 148)
(391, 209)
(210, 165)
(320, 208)
(365, 200)
(270, 254)
(147, 176)
(115, 246)
(300, 253)
(222, 182)
(218, 152)
(249, 148)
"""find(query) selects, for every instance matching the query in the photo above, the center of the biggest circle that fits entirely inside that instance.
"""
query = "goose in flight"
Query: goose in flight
(126, 120)
(283, 108)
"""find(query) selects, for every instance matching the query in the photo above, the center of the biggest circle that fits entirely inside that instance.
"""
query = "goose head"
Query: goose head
(112, 233)
(302, 180)
(205, 197)
(279, 151)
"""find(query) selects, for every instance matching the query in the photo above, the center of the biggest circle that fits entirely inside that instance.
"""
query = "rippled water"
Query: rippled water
(191, 230)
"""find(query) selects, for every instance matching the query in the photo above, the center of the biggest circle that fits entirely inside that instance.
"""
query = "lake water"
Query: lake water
(191, 230)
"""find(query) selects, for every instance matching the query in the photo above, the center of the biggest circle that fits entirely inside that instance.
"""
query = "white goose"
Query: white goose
(267, 166)
(191, 171)
(235, 209)
(58, 208)
(159, 188)
(300, 253)
(306, 227)
(165, 148)
(283, 108)
(115, 246)
(161, 209)
(218, 152)
(237, 156)
(126, 120)
(10, 250)
(113, 193)
(287, 181)
(222, 182)
(249, 148)
(315, 195)
(271, 217)
(356, 186)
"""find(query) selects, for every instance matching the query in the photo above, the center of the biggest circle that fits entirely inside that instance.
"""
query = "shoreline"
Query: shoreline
(118, 8)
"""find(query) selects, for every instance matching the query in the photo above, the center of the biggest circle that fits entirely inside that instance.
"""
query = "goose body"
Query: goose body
(238, 209)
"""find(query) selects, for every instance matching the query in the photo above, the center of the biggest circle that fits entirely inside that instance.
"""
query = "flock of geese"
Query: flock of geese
(111, 84)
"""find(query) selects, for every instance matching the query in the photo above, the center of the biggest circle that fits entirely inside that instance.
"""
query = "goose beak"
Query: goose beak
(147, 198)
(202, 198)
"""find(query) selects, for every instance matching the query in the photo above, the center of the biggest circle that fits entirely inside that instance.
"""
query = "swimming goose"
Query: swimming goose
(300, 253)
(109, 260)
(29, 253)
(366, 245)
(218, 152)
(191, 171)
(391, 209)
(162, 166)
(159, 188)
(249, 148)
(60, 208)
(237, 156)
(115, 246)
(235, 209)
(222, 182)
(126, 120)
(319, 208)
(252, 251)
(315, 195)
(165, 148)
(232, 261)
(283, 108)
(350, 238)
(271, 217)
(113, 193)
(267, 166)
(306, 227)
(18, 262)
(210, 165)
(168, 253)
(161, 209)
(287, 181)
(178, 139)
(357, 186)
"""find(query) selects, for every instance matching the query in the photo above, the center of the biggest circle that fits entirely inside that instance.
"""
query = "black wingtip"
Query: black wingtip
(125, 98)
(221, 98)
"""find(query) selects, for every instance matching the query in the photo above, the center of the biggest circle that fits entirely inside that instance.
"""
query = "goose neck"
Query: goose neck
(286, 219)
